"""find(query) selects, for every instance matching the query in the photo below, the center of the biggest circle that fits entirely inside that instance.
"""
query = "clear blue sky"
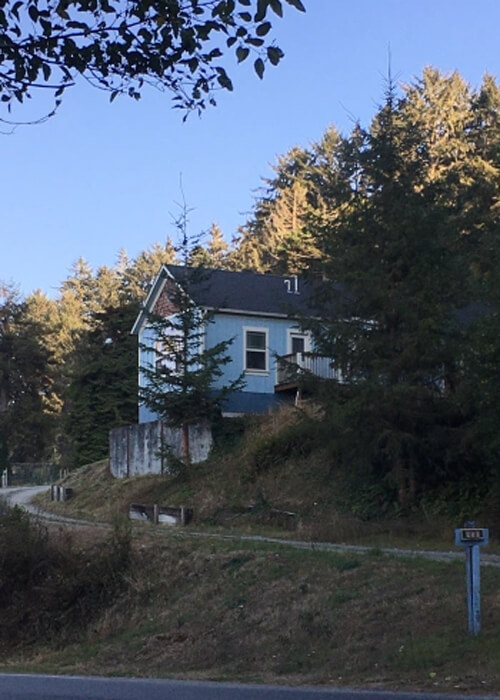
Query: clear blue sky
(99, 177)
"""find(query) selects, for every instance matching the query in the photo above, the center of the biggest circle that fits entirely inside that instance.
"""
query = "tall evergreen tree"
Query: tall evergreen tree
(102, 393)
(28, 405)
(393, 334)
(309, 185)
(180, 386)
(274, 238)
(138, 275)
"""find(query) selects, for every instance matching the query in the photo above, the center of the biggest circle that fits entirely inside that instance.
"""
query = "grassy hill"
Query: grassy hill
(272, 474)
(186, 606)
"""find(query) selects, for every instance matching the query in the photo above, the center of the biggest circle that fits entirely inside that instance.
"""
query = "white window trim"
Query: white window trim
(256, 329)
(303, 334)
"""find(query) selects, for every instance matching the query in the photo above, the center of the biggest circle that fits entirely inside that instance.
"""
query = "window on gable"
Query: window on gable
(168, 355)
(256, 350)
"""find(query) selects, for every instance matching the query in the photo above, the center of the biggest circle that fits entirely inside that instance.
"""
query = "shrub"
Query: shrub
(51, 590)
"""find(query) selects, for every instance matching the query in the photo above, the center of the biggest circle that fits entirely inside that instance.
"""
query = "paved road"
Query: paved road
(26, 687)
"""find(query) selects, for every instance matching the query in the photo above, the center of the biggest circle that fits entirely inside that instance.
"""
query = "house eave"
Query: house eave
(244, 312)
(151, 298)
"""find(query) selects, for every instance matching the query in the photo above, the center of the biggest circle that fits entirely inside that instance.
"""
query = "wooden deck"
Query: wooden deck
(292, 367)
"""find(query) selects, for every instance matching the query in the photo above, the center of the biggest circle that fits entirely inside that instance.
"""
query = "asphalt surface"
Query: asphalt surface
(34, 687)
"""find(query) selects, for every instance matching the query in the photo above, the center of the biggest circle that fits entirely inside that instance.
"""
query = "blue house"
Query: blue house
(260, 313)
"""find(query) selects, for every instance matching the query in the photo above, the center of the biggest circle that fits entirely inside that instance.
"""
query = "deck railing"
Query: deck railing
(291, 366)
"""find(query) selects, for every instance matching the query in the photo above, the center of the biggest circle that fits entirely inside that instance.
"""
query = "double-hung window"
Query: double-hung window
(256, 359)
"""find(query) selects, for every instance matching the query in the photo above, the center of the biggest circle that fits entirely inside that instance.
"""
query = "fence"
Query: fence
(32, 473)
(293, 365)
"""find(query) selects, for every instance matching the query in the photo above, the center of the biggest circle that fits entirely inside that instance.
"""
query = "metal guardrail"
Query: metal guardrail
(160, 515)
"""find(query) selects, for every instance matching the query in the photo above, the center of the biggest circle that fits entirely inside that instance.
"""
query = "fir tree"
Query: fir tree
(393, 333)
(28, 404)
(181, 386)
(102, 393)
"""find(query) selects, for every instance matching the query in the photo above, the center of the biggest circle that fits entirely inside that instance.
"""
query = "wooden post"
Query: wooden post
(156, 511)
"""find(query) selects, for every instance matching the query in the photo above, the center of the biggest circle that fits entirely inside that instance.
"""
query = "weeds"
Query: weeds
(51, 589)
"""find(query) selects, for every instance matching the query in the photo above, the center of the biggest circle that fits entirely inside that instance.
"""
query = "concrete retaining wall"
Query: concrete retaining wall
(135, 450)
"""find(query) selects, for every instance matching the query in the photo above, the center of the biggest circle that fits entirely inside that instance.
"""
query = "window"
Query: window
(256, 350)
(168, 355)
(298, 344)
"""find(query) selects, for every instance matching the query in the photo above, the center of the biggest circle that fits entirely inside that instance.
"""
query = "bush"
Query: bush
(297, 440)
(52, 590)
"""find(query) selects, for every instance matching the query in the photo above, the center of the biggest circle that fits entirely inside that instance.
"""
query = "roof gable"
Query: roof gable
(239, 292)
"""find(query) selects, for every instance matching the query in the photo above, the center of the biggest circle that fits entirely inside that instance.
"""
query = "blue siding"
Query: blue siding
(146, 359)
(227, 326)
(258, 395)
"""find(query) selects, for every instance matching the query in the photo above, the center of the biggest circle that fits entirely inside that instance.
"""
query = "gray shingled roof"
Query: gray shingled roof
(249, 292)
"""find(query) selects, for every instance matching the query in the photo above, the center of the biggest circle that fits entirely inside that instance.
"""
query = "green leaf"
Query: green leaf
(245, 16)
(297, 4)
(114, 95)
(231, 41)
(224, 80)
(253, 41)
(276, 7)
(46, 71)
(274, 55)
(262, 6)
(47, 26)
(145, 34)
(259, 67)
(242, 53)
(33, 13)
(263, 29)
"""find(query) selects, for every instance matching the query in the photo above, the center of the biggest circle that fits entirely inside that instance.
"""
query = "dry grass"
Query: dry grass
(209, 609)
(241, 488)
(272, 614)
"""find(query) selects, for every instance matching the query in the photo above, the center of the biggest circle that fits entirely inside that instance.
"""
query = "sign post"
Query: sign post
(471, 538)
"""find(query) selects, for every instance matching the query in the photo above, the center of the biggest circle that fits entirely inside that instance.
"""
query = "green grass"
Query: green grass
(208, 608)
(274, 614)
